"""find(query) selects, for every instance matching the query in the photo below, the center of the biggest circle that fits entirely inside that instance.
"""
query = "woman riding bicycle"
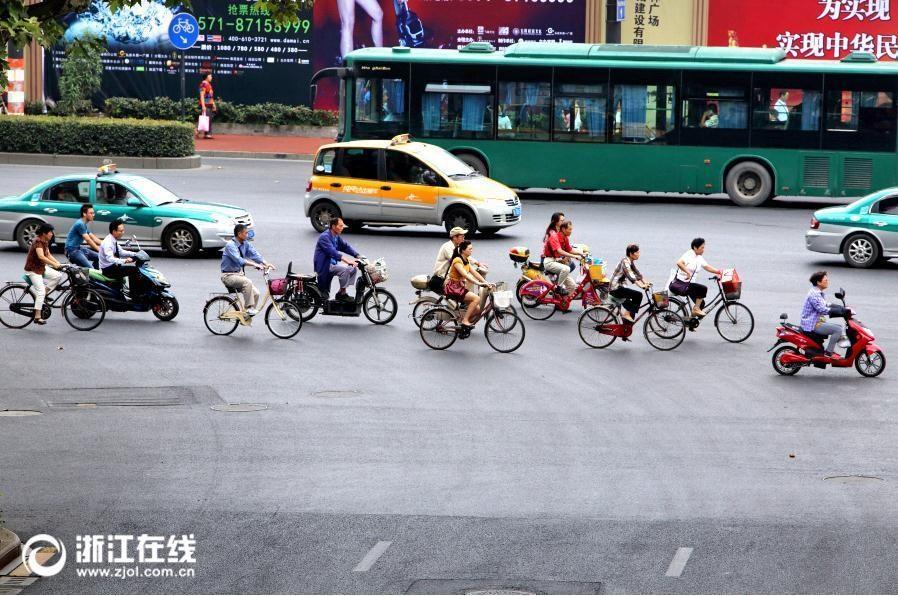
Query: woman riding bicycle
(42, 269)
(687, 267)
(460, 271)
(626, 272)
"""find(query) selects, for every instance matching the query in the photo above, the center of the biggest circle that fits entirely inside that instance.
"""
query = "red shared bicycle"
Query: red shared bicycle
(540, 300)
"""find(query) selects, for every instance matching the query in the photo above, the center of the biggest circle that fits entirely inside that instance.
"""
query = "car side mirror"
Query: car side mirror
(132, 202)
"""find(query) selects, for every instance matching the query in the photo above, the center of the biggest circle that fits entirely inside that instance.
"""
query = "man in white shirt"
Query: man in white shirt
(116, 262)
(687, 267)
(781, 107)
(441, 265)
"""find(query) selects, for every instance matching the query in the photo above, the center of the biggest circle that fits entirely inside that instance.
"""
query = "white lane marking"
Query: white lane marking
(678, 563)
(373, 555)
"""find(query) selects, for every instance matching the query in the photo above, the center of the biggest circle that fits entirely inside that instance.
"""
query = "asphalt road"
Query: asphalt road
(557, 468)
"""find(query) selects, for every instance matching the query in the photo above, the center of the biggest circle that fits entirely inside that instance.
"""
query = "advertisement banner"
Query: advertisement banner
(816, 29)
(658, 22)
(252, 58)
(344, 25)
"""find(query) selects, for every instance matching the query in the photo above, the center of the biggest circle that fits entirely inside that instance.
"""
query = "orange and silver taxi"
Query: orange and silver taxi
(400, 182)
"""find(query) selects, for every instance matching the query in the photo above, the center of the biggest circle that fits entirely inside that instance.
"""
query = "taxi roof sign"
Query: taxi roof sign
(400, 139)
(107, 168)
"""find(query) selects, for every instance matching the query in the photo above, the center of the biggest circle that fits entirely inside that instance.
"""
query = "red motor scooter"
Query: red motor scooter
(796, 348)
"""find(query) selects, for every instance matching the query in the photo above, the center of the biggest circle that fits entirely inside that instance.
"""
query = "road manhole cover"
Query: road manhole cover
(19, 413)
(239, 407)
(856, 479)
(502, 586)
(337, 393)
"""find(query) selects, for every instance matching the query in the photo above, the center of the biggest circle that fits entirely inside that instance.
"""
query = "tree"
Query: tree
(39, 20)
(82, 75)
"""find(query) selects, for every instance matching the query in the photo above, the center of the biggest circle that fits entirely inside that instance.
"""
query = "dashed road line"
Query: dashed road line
(373, 555)
(678, 563)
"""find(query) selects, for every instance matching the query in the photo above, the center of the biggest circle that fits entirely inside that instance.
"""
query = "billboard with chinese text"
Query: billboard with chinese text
(816, 29)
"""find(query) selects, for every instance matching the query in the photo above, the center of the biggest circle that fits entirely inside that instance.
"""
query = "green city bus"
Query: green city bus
(745, 121)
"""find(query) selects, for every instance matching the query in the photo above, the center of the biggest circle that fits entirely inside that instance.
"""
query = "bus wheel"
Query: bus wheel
(749, 184)
(475, 162)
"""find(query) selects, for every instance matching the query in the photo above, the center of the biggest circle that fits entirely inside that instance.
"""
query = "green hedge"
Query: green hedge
(164, 108)
(95, 136)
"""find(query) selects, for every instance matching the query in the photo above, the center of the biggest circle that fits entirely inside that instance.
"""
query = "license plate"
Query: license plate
(516, 212)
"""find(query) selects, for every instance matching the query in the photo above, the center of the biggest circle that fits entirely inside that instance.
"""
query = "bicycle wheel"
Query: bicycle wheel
(381, 311)
(504, 331)
(285, 324)
(422, 307)
(439, 328)
(84, 309)
(664, 329)
(16, 306)
(734, 322)
(534, 296)
(592, 326)
(681, 305)
(213, 315)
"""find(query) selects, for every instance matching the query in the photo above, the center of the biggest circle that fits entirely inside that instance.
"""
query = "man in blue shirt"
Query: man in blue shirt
(816, 309)
(238, 253)
(81, 234)
(334, 257)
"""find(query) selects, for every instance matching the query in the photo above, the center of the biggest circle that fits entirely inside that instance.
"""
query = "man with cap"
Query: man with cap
(441, 266)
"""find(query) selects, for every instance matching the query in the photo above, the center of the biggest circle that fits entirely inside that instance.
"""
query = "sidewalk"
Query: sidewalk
(259, 147)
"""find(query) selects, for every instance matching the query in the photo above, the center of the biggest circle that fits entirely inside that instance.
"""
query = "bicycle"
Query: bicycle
(540, 300)
(224, 312)
(664, 329)
(504, 329)
(733, 320)
(182, 25)
(82, 307)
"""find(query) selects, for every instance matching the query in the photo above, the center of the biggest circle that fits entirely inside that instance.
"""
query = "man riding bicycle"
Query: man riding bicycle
(238, 253)
(557, 253)
(334, 257)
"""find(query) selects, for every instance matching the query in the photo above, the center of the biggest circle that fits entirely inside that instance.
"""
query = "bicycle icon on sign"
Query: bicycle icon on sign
(183, 26)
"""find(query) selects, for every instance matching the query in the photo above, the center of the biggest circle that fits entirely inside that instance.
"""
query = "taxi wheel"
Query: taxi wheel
(182, 241)
(321, 215)
(27, 232)
(461, 217)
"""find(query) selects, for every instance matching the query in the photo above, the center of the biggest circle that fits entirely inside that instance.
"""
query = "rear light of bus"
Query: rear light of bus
(309, 185)
(815, 225)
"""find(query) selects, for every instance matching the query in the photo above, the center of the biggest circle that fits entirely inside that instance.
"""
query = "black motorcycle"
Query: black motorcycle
(151, 292)
(378, 304)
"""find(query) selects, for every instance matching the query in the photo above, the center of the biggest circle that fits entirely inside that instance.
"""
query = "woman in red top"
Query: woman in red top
(207, 102)
(43, 278)
(556, 254)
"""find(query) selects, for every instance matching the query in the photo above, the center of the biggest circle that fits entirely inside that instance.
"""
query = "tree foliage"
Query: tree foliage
(39, 20)
(82, 75)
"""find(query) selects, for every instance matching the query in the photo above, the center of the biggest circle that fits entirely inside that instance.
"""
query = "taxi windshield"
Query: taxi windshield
(446, 163)
(153, 192)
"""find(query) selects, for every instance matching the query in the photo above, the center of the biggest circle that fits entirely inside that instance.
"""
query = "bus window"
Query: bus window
(643, 113)
(858, 119)
(580, 113)
(380, 100)
(457, 111)
(778, 108)
(716, 108)
(524, 111)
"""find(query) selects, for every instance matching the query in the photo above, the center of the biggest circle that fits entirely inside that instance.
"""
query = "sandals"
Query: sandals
(40, 322)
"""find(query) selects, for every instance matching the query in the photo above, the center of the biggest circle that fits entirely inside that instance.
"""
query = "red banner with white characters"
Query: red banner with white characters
(815, 29)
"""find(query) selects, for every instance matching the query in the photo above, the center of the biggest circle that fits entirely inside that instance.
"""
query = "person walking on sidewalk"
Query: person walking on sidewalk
(207, 103)
(42, 269)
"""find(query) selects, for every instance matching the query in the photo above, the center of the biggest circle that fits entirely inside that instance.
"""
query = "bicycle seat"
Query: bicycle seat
(26, 279)
(301, 276)
(538, 265)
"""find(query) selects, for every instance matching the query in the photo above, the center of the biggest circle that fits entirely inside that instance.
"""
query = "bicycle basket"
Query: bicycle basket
(502, 299)
(378, 271)
(596, 269)
(278, 286)
(732, 284)
(80, 276)
(661, 298)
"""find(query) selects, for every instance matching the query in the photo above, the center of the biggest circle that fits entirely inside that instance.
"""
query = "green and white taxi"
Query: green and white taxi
(151, 212)
(865, 232)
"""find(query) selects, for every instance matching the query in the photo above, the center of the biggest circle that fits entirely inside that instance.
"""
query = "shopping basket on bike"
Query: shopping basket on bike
(661, 298)
(732, 285)
(377, 271)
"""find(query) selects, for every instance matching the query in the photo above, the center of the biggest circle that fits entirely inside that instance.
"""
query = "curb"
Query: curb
(10, 546)
(152, 163)
(257, 155)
